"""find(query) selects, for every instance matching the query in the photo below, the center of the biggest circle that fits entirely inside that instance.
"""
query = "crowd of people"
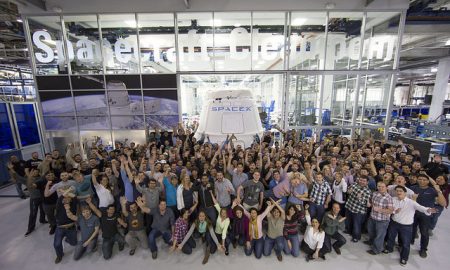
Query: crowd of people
(286, 197)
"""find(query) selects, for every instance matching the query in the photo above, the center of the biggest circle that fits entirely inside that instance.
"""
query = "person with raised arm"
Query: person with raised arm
(135, 223)
(274, 238)
(256, 243)
(313, 239)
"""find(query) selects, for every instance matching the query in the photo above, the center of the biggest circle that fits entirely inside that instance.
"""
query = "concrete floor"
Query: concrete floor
(36, 251)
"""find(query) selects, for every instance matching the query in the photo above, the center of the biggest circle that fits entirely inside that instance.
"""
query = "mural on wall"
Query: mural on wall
(93, 107)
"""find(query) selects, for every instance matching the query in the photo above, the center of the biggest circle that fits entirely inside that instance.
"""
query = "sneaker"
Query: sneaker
(367, 242)
(280, 257)
(323, 257)
(371, 252)
(354, 240)
(154, 255)
(234, 244)
(307, 258)
(132, 252)
(430, 232)
(121, 247)
(227, 253)
(386, 251)
(423, 253)
(23, 197)
(58, 260)
(337, 250)
(403, 262)
(52, 230)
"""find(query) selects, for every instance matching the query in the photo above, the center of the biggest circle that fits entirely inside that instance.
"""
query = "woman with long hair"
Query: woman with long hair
(313, 239)
(202, 228)
(290, 230)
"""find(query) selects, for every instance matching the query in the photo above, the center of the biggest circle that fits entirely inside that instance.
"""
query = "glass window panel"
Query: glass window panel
(157, 43)
(162, 102)
(307, 40)
(164, 122)
(338, 99)
(303, 100)
(90, 103)
(195, 41)
(96, 137)
(344, 40)
(60, 139)
(375, 97)
(83, 34)
(232, 39)
(120, 50)
(127, 122)
(6, 135)
(57, 103)
(268, 41)
(128, 136)
(267, 91)
(380, 40)
(26, 124)
(48, 49)
(125, 102)
(93, 122)
(60, 123)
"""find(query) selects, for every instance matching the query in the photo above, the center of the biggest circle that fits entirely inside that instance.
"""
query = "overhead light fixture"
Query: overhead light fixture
(19, 19)
(434, 69)
(237, 25)
(131, 23)
(299, 21)
(217, 22)
(447, 43)
(330, 5)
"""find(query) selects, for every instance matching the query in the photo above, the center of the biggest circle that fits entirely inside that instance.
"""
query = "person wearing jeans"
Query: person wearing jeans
(290, 231)
(256, 243)
(36, 202)
(163, 225)
(274, 238)
(319, 198)
(135, 223)
(332, 223)
(356, 207)
(65, 227)
(312, 243)
(89, 228)
(401, 224)
(16, 169)
(382, 208)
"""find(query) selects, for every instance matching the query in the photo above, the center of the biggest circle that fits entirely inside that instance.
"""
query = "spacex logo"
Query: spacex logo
(231, 109)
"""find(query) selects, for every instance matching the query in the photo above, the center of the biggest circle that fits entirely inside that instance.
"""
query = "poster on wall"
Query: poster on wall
(90, 103)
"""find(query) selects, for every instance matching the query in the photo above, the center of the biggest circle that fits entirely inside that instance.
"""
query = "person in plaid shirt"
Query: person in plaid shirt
(319, 198)
(181, 229)
(356, 207)
(380, 216)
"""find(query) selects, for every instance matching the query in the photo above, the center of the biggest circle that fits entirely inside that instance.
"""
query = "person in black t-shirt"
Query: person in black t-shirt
(49, 203)
(65, 227)
(16, 169)
(436, 168)
(32, 163)
(109, 222)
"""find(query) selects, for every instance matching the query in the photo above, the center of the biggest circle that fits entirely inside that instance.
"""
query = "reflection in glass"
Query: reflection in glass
(48, 49)
(380, 40)
(375, 97)
(307, 40)
(6, 137)
(82, 33)
(303, 100)
(60, 123)
(232, 39)
(195, 41)
(157, 43)
(344, 40)
(120, 50)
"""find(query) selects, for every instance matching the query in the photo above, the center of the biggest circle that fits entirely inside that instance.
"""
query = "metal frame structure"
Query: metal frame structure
(287, 73)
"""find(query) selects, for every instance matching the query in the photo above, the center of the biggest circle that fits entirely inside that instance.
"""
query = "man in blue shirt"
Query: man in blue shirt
(426, 196)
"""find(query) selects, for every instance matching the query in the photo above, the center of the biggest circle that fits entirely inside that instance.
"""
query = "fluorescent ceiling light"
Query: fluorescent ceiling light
(299, 21)
(447, 43)
(217, 22)
(237, 25)
(131, 23)
(19, 20)
(434, 69)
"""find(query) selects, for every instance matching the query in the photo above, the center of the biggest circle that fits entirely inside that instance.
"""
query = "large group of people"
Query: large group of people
(289, 196)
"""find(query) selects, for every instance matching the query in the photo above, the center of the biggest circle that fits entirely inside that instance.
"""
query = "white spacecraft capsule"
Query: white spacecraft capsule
(227, 112)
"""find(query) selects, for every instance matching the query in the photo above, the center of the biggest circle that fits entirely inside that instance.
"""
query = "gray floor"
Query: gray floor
(36, 251)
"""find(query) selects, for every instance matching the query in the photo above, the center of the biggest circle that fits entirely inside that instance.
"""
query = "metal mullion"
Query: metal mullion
(140, 70)
(69, 73)
(100, 36)
(214, 42)
(322, 79)
(39, 110)
(251, 40)
(394, 76)
(364, 99)
(287, 38)
(358, 77)
(177, 49)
